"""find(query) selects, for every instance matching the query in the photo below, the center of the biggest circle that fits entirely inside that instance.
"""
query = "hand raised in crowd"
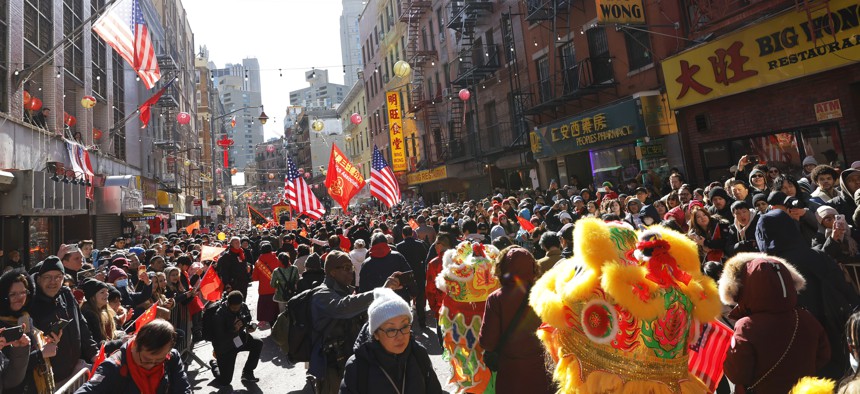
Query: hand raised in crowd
(144, 277)
(393, 281)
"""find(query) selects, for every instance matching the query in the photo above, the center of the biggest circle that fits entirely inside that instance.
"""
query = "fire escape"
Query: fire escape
(419, 57)
(475, 62)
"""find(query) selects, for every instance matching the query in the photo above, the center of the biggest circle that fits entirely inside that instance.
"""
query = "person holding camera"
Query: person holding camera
(233, 335)
(338, 316)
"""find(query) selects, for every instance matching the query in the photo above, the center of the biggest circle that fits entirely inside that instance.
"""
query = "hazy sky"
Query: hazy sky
(291, 35)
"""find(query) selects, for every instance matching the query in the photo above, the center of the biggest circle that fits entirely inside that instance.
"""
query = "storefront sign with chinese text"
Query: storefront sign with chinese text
(828, 110)
(591, 130)
(783, 48)
(620, 11)
(425, 176)
(395, 131)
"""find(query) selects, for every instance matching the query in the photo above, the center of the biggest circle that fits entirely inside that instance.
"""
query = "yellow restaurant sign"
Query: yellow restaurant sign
(395, 125)
(620, 11)
(782, 48)
(425, 176)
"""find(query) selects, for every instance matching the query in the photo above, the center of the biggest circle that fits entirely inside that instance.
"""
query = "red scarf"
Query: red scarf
(239, 252)
(146, 380)
(380, 250)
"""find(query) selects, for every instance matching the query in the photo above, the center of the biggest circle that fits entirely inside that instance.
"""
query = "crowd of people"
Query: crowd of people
(372, 280)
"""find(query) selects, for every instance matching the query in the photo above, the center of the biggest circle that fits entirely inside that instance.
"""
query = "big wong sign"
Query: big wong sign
(395, 126)
(782, 48)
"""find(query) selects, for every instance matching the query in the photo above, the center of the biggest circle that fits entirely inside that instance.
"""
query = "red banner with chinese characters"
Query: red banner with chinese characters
(343, 180)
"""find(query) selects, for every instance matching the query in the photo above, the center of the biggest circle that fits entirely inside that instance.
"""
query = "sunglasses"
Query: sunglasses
(757, 176)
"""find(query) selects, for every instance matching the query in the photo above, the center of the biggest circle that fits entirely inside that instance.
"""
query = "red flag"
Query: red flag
(343, 180)
(709, 352)
(99, 359)
(211, 286)
(413, 224)
(146, 317)
(144, 109)
(193, 226)
(525, 224)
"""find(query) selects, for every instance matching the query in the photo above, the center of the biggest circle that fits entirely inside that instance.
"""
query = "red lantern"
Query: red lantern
(88, 102)
(355, 118)
(234, 171)
(27, 99)
(270, 148)
(69, 120)
(464, 94)
(183, 118)
(35, 104)
(97, 134)
(217, 171)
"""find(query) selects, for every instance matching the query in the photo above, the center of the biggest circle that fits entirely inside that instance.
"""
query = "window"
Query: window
(99, 56)
(73, 11)
(119, 98)
(598, 50)
(544, 80)
(638, 44)
(569, 69)
(37, 24)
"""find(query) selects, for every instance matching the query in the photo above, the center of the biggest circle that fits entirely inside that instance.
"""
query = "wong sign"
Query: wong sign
(620, 11)
(782, 48)
(395, 129)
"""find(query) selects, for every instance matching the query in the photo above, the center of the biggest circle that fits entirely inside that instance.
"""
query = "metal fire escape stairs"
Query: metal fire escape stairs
(418, 58)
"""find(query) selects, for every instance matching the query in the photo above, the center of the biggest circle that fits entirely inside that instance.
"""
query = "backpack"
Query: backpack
(301, 327)
(284, 281)
(281, 332)
(210, 321)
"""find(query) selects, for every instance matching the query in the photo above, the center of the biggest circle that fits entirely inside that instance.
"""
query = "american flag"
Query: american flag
(299, 194)
(708, 353)
(383, 183)
(123, 28)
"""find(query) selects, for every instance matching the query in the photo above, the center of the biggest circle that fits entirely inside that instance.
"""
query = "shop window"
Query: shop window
(638, 43)
(41, 238)
(614, 165)
(825, 144)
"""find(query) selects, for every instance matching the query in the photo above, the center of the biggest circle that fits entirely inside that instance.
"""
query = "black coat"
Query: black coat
(733, 243)
(375, 271)
(372, 358)
(234, 272)
(76, 343)
(415, 251)
(112, 376)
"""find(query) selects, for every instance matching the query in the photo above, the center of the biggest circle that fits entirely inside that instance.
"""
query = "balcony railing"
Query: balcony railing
(501, 136)
(465, 13)
(585, 77)
(476, 64)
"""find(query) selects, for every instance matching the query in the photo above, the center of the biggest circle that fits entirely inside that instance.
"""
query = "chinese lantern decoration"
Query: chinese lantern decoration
(270, 148)
(271, 176)
(35, 104)
(97, 134)
(187, 163)
(402, 68)
(217, 171)
(464, 94)
(220, 191)
(355, 118)
(234, 171)
(27, 99)
(225, 143)
(317, 125)
(183, 118)
(88, 102)
(69, 120)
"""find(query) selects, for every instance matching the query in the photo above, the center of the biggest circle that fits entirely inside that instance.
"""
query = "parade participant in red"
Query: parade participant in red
(267, 308)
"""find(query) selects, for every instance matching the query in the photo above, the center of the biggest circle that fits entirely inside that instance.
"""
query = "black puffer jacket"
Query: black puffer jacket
(364, 370)
(844, 201)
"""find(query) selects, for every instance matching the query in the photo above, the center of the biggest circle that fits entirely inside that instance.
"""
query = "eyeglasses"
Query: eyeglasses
(392, 332)
(144, 361)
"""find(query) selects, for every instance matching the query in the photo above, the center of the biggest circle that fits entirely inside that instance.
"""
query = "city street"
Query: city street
(277, 375)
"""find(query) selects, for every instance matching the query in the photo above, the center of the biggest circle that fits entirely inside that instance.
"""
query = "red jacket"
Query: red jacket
(266, 265)
(434, 296)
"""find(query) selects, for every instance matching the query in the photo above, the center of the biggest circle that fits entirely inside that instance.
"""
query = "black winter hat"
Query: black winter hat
(51, 263)
(91, 286)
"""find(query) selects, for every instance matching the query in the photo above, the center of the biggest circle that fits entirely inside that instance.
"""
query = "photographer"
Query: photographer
(233, 335)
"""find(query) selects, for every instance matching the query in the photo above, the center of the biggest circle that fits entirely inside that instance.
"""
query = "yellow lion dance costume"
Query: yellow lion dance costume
(619, 316)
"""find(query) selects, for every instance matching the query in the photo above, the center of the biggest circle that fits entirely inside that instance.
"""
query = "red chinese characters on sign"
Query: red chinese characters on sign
(727, 66)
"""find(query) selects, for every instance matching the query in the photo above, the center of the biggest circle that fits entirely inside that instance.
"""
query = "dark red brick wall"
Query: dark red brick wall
(773, 108)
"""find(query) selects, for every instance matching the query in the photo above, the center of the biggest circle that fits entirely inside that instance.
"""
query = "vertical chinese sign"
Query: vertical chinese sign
(395, 130)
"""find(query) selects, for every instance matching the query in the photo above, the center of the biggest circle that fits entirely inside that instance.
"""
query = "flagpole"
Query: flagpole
(120, 124)
(25, 74)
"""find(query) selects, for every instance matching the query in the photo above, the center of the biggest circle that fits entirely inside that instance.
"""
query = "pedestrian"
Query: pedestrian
(284, 280)
(95, 310)
(741, 233)
(551, 243)
(147, 364)
(509, 326)
(313, 275)
(381, 264)
(850, 384)
(775, 342)
(233, 268)
(267, 263)
(358, 254)
(709, 232)
(414, 251)
(16, 289)
(338, 316)
(391, 361)
(233, 335)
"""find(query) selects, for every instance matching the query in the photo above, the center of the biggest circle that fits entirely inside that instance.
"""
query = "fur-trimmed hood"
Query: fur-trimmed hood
(756, 282)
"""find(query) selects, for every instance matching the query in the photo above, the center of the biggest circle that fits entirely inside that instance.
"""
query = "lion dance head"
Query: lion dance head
(620, 315)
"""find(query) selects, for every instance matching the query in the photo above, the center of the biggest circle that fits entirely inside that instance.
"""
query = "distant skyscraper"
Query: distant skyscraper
(239, 86)
(350, 41)
(321, 95)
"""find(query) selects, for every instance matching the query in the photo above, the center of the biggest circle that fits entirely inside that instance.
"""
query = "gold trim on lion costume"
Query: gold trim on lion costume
(620, 314)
